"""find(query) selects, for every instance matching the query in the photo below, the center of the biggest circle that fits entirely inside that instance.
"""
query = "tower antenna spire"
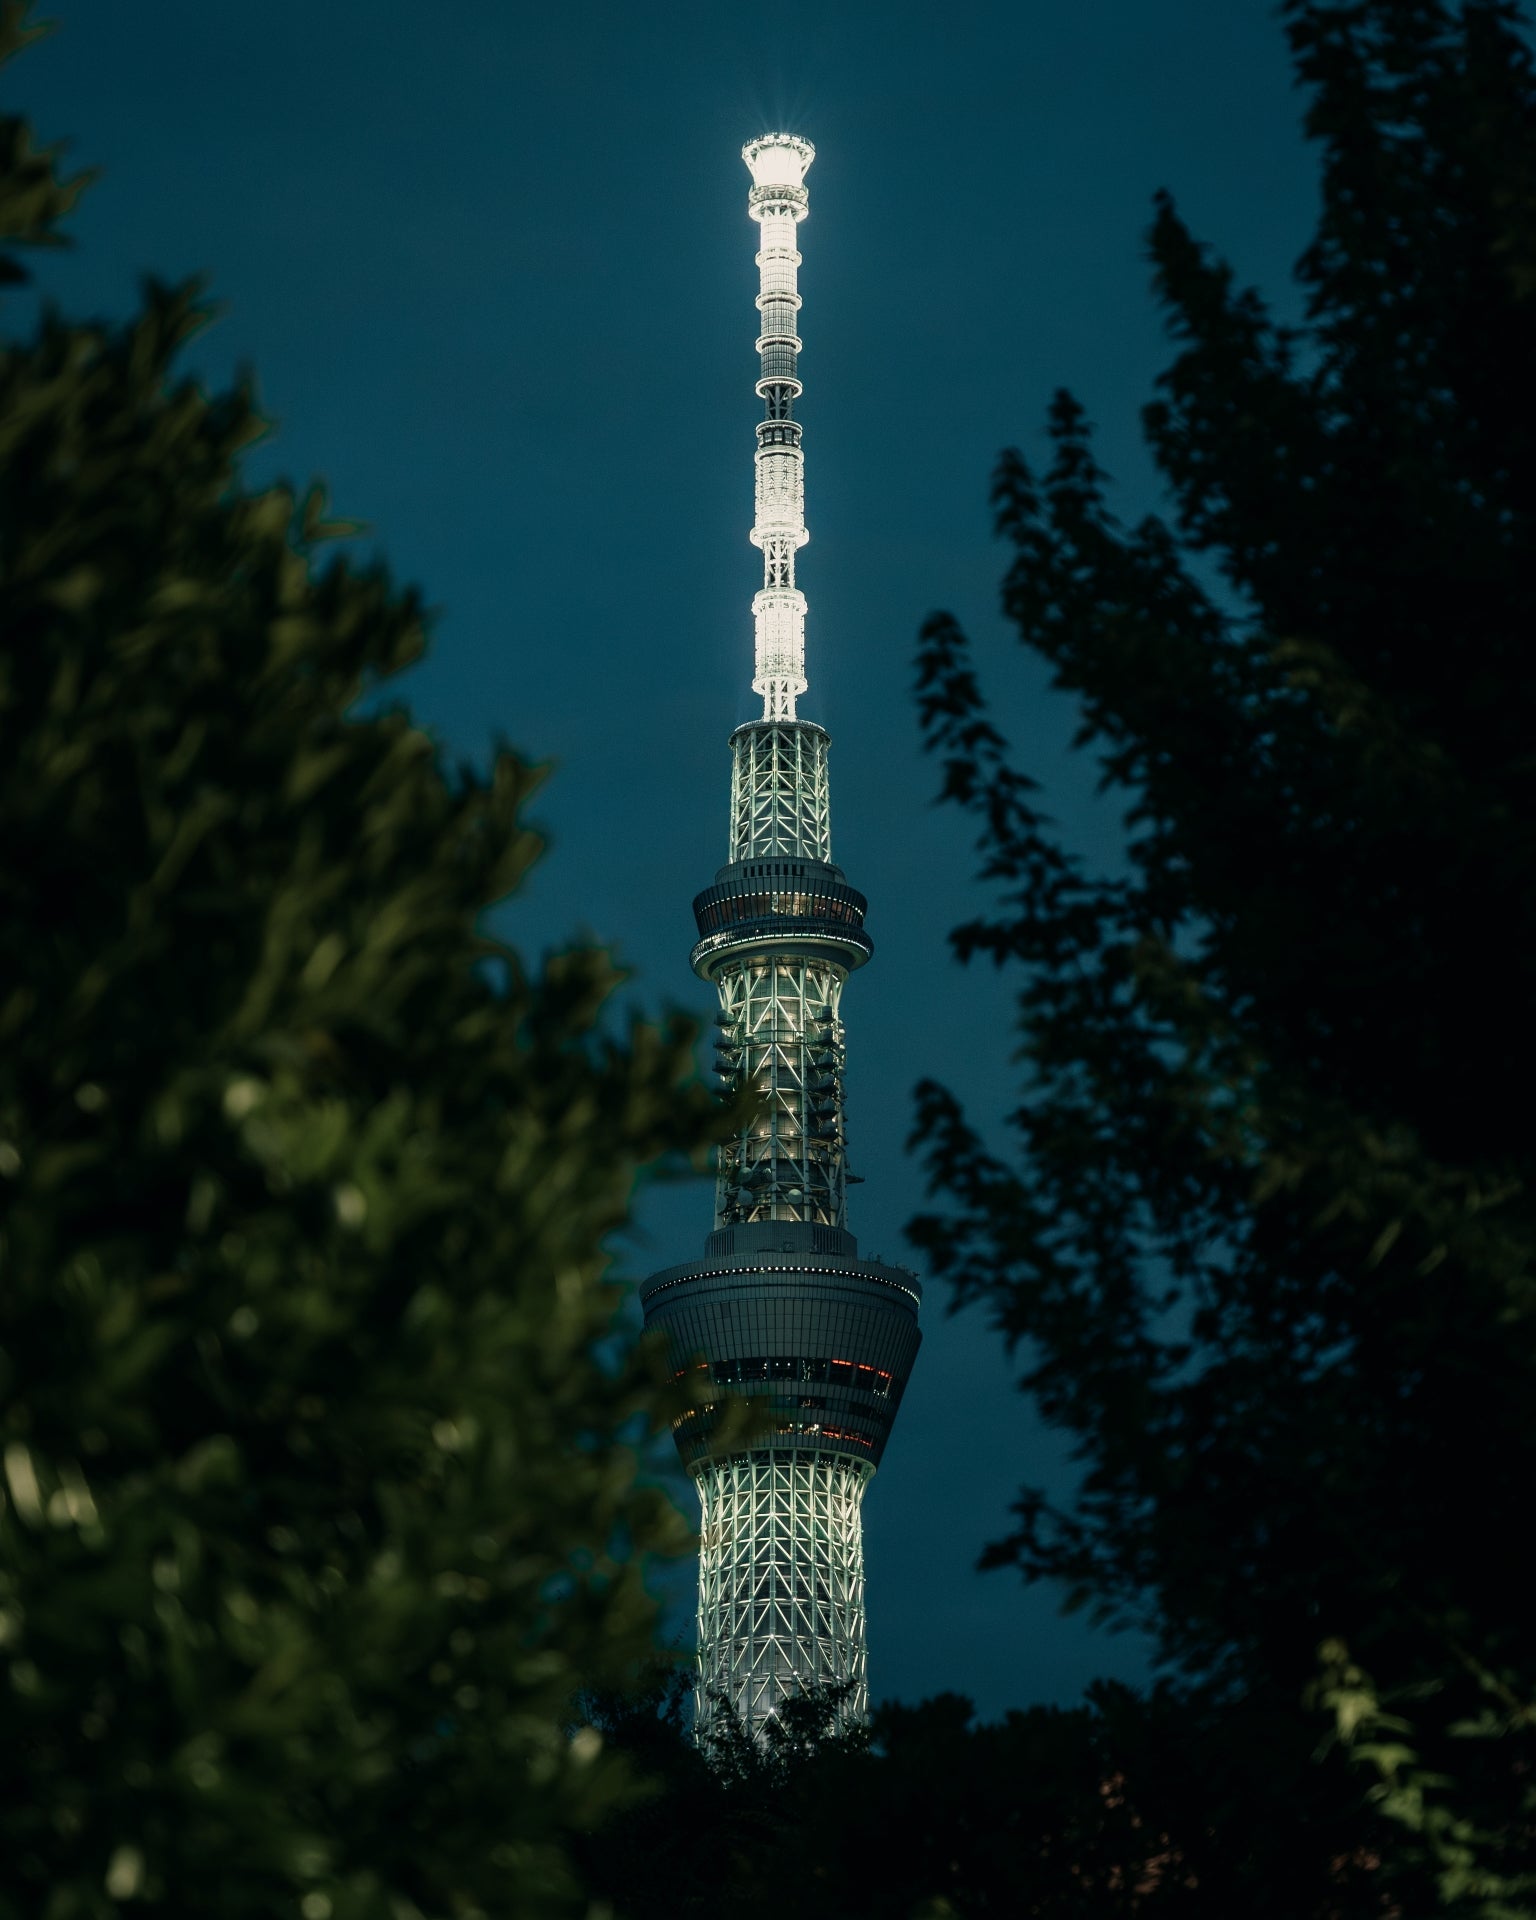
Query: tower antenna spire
(778, 203)
(781, 1308)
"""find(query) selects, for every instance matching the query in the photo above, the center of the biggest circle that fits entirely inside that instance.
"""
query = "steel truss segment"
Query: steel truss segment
(781, 1582)
(781, 805)
(783, 1038)
(779, 612)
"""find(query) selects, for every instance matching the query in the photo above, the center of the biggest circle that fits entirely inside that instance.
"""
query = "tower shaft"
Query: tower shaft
(781, 1580)
(781, 1310)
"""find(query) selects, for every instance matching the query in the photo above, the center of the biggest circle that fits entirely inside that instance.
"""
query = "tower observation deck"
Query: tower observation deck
(782, 1310)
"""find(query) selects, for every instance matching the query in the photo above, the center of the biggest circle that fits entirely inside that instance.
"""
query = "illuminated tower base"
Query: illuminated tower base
(822, 1343)
(781, 1580)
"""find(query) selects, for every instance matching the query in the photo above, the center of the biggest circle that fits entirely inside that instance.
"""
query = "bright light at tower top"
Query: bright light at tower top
(778, 159)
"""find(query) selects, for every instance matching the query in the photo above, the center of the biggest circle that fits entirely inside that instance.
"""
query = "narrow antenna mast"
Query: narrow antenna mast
(778, 203)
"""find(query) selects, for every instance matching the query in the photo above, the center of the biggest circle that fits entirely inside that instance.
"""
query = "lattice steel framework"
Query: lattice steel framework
(782, 1308)
(781, 804)
(781, 1581)
(780, 1036)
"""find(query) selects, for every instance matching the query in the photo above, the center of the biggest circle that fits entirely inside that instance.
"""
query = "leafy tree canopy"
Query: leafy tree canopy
(317, 1506)
(1265, 1236)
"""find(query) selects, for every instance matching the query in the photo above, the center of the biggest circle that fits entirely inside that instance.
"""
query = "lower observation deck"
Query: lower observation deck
(824, 1342)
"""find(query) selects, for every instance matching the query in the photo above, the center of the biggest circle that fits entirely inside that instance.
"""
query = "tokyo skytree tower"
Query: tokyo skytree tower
(782, 1310)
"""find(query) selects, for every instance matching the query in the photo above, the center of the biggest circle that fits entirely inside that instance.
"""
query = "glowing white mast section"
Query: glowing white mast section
(778, 203)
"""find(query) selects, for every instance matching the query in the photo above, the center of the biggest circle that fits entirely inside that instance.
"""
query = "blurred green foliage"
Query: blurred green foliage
(1264, 1236)
(318, 1507)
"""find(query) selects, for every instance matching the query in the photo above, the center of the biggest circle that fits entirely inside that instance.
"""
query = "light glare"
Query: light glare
(778, 159)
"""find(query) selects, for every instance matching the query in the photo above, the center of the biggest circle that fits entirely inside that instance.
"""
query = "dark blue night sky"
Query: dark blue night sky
(492, 266)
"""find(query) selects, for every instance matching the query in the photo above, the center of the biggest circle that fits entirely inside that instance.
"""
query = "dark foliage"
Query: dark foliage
(1266, 1238)
(317, 1506)
(926, 1815)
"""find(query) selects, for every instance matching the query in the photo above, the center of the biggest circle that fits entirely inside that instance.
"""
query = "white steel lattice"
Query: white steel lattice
(781, 1582)
(779, 617)
(780, 796)
(781, 1036)
(778, 203)
(781, 494)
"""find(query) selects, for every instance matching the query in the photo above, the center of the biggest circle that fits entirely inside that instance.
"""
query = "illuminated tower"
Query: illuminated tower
(781, 1309)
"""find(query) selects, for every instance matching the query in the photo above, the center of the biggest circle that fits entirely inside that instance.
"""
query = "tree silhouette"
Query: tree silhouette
(318, 1505)
(1265, 1236)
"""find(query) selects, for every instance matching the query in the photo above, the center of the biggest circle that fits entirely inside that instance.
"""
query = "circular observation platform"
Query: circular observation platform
(767, 906)
(821, 1345)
